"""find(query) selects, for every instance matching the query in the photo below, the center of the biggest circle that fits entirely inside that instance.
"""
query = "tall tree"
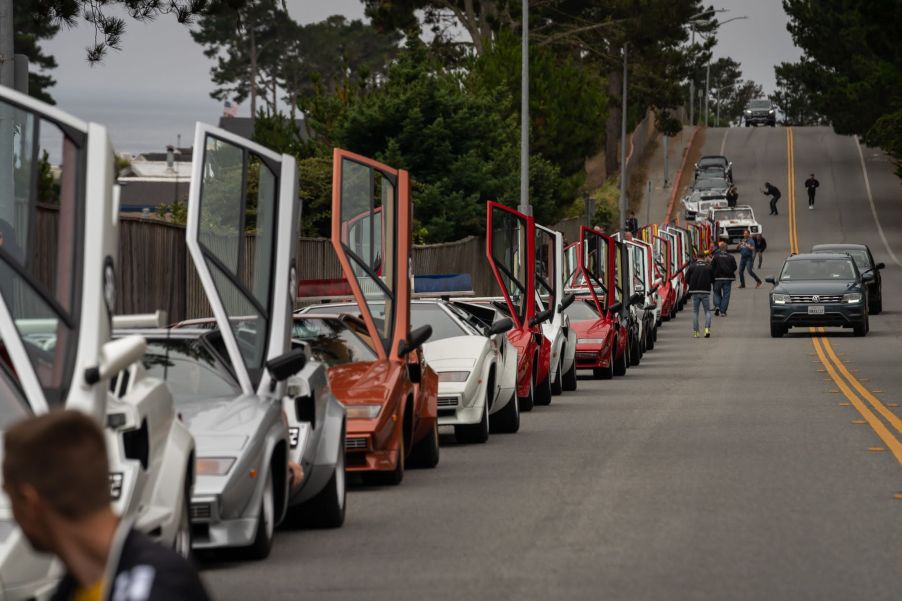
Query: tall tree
(793, 97)
(33, 25)
(852, 64)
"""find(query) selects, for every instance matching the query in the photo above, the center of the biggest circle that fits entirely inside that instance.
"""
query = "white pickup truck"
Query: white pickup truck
(732, 222)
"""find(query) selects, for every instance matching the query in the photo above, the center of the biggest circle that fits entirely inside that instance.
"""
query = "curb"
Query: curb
(679, 178)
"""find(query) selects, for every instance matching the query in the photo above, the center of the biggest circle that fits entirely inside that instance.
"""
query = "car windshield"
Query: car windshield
(818, 269)
(735, 214)
(707, 162)
(760, 104)
(710, 184)
(331, 341)
(443, 325)
(190, 369)
(581, 310)
(861, 258)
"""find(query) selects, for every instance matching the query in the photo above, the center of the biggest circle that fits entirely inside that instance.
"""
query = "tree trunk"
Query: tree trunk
(612, 125)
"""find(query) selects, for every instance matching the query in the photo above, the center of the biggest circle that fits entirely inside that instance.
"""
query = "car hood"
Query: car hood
(224, 423)
(597, 328)
(457, 350)
(362, 382)
(816, 287)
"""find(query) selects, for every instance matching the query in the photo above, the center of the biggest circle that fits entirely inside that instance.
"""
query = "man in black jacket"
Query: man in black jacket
(698, 280)
(56, 474)
(723, 270)
(774, 193)
(811, 184)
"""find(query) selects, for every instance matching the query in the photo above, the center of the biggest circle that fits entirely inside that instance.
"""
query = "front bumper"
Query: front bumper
(458, 408)
(761, 118)
(835, 315)
(591, 358)
(210, 531)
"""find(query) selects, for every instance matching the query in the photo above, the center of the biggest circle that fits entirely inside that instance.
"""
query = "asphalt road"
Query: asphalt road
(727, 468)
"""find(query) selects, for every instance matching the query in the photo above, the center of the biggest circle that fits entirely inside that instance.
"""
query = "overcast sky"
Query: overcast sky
(158, 85)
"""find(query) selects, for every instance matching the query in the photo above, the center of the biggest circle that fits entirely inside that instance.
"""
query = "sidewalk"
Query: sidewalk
(653, 209)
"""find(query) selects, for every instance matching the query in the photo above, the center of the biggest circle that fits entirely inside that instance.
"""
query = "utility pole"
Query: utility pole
(623, 146)
(525, 206)
(707, 89)
(7, 62)
(692, 85)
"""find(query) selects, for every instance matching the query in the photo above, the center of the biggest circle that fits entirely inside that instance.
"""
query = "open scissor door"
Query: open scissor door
(242, 236)
(648, 232)
(661, 247)
(509, 246)
(638, 268)
(371, 224)
(58, 245)
(596, 263)
(549, 248)
(573, 277)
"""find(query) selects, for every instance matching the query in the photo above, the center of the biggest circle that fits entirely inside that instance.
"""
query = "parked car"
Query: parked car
(716, 163)
(760, 111)
(56, 349)
(863, 258)
(823, 289)
(392, 401)
(549, 265)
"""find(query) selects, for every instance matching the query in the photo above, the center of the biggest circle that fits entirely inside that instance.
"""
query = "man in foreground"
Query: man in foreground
(699, 279)
(56, 475)
(723, 270)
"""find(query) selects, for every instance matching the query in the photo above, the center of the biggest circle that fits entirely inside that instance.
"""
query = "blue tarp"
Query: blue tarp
(442, 282)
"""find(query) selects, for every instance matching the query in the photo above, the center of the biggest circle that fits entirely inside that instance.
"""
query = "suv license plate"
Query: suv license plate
(815, 309)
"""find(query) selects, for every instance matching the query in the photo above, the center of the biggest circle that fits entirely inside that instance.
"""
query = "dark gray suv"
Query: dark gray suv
(819, 290)
(760, 112)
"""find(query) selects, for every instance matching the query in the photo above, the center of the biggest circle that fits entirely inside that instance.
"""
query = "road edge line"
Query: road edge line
(867, 187)
(679, 178)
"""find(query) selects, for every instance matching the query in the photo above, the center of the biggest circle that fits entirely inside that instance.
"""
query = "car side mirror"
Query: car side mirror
(500, 327)
(770, 280)
(616, 307)
(637, 298)
(651, 306)
(284, 366)
(880, 266)
(115, 356)
(566, 301)
(414, 340)
(541, 317)
(868, 277)
(415, 372)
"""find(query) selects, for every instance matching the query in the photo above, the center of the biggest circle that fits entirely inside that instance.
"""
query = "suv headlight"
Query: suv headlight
(753, 229)
(780, 299)
(851, 298)
(748, 111)
(771, 111)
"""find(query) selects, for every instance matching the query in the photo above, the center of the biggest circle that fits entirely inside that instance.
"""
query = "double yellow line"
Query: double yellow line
(889, 428)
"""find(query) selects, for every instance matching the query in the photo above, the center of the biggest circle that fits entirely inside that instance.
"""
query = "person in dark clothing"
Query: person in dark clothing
(56, 475)
(774, 193)
(760, 247)
(632, 224)
(699, 279)
(732, 196)
(747, 260)
(812, 185)
(723, 268)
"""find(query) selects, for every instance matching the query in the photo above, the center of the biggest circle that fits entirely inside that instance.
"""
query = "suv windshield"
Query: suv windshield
(818, 269)
(861, 258)
(192, 372)
(760, 104)
(710, 184)
(735, 214)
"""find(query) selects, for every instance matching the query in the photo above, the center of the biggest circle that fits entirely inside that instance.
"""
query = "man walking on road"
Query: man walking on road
(760, 247)
(774, 193)
(723, 270)
(747, 260)
(699, 280)
(811, 184)
(56, 475)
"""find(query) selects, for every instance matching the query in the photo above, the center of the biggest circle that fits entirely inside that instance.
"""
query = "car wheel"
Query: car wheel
(506, 421)
(543, 392)
(635, 353)
(425, 454)
(529, 401)
(474, 433)
(557, 385)
(876, 306)
(570, 378)
(266, 525)
(776, 330)
(861, 329)
(327, 508)
(182, 542)
(621, 363)
(650, 339)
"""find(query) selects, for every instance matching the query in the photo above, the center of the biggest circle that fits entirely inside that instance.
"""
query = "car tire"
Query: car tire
(620, 364)
(266, 526)
(650, 339)
(861, 329)
(327, 508)
(776, 330)
(526, 403)
(426, 454)
(557, 385)
(543, 392)
(477, 433)
(182, 542)
(877, 306)
(570, 378)
(506, 421)
(635, 355)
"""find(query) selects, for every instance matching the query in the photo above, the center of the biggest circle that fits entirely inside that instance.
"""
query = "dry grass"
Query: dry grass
(635, 192)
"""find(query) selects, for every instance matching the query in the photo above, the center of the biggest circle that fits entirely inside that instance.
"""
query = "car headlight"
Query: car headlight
(213, 466)
(851, 298)
(753, 229)
(363, 411)
(748, 111)
(771, 111)
(780, 299)
(453, 376)
(591, 340)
